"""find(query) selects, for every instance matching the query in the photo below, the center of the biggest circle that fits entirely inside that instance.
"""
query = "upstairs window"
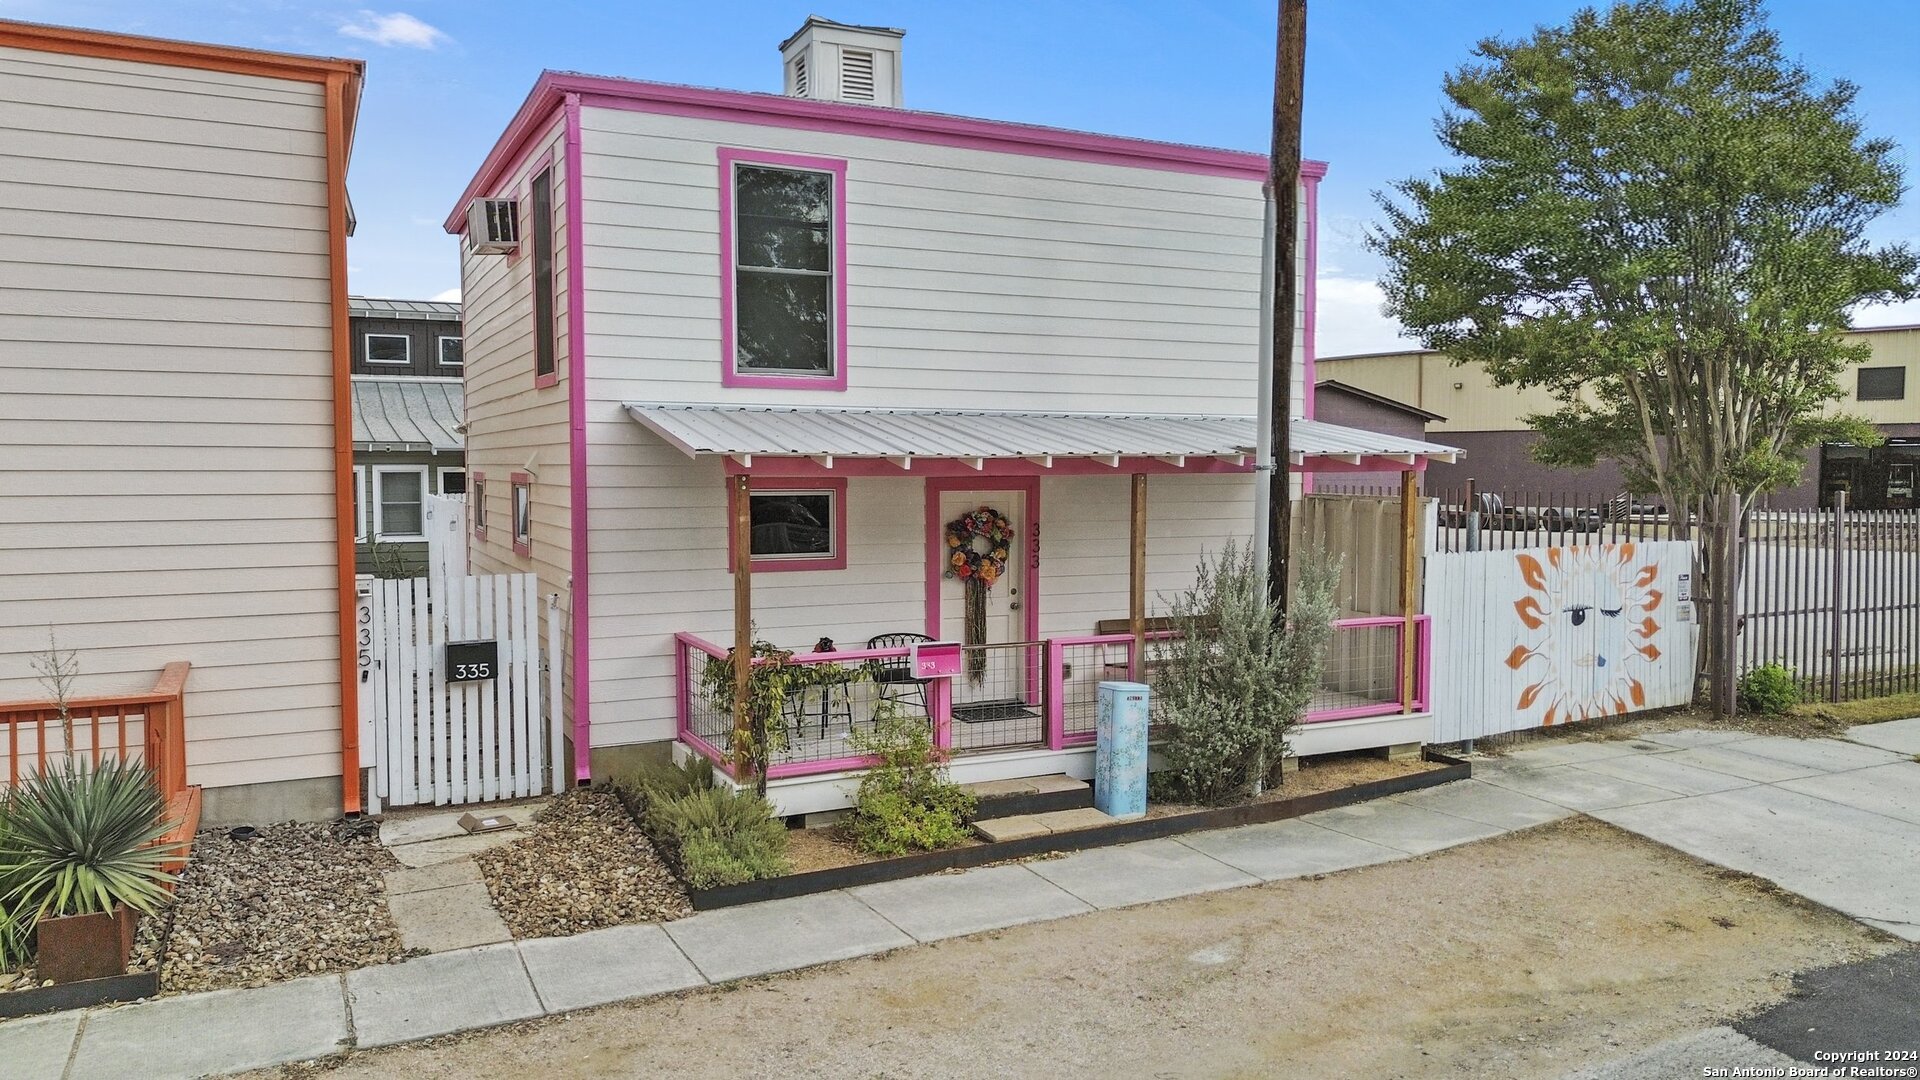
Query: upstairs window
(399, 495)
(389, 349)
(1882, 384)
(452, 352)
(787, 300)
(541, 225)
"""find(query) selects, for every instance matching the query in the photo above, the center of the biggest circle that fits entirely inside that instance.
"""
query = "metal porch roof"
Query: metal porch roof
(744, 431)
(393, 413)
(379, 307)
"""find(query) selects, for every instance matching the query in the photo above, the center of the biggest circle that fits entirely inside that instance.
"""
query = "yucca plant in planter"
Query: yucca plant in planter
(79, 859)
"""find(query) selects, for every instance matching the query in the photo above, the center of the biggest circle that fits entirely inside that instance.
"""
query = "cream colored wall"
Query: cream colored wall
(166, 424)
(1427, 380)
(512, 424)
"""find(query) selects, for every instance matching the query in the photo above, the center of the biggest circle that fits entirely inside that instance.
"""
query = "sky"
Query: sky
(445, 76)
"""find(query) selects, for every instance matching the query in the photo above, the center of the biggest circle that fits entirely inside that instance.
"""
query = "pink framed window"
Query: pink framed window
(522, 514)
(783, 284)
(539, 223)
(798, 524)
(477, 503)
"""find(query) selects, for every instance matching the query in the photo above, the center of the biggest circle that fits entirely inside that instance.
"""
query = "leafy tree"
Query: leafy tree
(1659, 219)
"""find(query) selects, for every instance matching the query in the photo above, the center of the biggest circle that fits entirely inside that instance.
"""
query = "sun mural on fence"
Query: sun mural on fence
(1588, 632)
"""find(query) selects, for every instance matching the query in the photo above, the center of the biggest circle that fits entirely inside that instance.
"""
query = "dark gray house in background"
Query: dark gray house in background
(1336, 402)
(409, 414)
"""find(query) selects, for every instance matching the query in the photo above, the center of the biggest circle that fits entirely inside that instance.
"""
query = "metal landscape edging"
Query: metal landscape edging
(1120, 832)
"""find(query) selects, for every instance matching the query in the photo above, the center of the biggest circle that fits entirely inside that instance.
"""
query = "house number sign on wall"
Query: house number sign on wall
(471, 661)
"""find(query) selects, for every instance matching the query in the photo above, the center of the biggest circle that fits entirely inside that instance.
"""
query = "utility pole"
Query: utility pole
(1283, 183)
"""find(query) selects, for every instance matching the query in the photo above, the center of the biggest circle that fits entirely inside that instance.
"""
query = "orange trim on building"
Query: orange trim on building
(341, 80)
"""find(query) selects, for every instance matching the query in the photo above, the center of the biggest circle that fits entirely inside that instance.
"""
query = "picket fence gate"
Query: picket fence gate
(433, 739)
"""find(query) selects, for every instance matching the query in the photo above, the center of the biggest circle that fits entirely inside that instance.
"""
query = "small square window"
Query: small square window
(452, 352)
(1882, 384)
(453, 481)
(389, 349)
(399, 498)
(798, 526)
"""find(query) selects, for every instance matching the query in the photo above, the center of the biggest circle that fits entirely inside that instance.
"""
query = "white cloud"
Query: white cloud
(450, 296)
(397, 28)
(1349, 320)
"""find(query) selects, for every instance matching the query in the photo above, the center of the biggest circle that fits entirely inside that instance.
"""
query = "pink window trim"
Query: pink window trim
(477, 505)
(521, 546)
(837, 486)
(837, 168)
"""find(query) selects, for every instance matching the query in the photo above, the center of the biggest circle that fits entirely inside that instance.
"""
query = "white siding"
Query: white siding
(510, 422)
(166, 426)
(975, 279)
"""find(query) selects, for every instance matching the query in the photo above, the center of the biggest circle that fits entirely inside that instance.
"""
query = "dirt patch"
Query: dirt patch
(1523, 956)
(1813, 723)
(298, 899)
(584, 865)
(1321, 773)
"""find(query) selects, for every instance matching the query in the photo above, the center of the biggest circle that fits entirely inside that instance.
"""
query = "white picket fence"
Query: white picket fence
(442, 742)
(1541, 636)
(446, 529)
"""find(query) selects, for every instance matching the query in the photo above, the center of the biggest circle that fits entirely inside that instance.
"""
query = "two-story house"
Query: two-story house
(408, 438)
(828, 364)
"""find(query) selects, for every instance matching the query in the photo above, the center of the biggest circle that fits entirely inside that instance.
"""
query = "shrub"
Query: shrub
(1769, 688)
(1234, 682)
(905, 802)
(666, 780)
(718, 837)
(81, 840)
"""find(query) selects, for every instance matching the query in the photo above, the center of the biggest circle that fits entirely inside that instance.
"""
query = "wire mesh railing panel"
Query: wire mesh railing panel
(826, 703)
(999, 699)
(1084, 666)
(1361, 673)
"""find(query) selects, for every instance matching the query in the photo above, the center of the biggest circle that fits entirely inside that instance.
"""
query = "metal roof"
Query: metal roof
(743, 431)
(376, 307)
(395, 413)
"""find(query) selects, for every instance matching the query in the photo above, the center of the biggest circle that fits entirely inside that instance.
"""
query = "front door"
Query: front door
(1004, 678)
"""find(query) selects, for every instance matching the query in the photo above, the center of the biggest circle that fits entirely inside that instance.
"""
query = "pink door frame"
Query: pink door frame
(1028, 486)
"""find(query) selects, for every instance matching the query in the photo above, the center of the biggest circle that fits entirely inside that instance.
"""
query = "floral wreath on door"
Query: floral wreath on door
(979, 544)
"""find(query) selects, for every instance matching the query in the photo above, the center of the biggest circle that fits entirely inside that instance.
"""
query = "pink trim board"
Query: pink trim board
(775, 110)
(577, 450)
(730, 375)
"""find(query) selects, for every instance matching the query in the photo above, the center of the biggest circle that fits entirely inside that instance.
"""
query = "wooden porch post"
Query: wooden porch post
(740, 528)
(1137, 578)
(1409, 557)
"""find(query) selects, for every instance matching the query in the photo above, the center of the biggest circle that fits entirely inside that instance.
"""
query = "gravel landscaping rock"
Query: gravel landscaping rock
(299, 899)
(583, 865)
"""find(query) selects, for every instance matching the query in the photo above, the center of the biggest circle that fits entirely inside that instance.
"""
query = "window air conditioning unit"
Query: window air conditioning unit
(493, 226)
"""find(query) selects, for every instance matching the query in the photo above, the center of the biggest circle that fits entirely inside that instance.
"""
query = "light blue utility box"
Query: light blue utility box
(1120, 750)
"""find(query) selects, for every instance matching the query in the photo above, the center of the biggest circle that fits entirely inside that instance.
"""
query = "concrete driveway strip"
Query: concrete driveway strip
(951, 905)
(1573, 752)
(1691, 738)
(779, 935)
(1575, 788)
(433, 995)
(1864, 865)
(1662, 771)
(1489, 804)
(1140, 873)
(1412, 829)
(1279, 850)
(1826, 755)
(215, 1033)
(37, 1048)
(606, 965)
(1888, 790)
(1899, 736)
(1729, 760)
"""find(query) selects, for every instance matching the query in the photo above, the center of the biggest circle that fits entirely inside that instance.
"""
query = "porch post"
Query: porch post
(1409, 556)
(740, 528)
(1137, 578)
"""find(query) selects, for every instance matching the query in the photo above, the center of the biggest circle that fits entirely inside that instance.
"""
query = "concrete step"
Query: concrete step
(1029, 795)
(1056, 821)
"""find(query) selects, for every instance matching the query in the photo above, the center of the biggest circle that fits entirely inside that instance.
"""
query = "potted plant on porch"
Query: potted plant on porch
(80, 860)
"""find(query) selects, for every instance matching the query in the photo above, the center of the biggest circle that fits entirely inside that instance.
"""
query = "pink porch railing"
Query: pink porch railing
(1041, 695)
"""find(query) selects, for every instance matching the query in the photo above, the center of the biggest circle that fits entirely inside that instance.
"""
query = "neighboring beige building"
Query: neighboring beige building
(175, 463)
(1488, 422)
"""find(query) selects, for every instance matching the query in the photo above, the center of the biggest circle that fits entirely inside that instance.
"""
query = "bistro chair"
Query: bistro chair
(894, 675)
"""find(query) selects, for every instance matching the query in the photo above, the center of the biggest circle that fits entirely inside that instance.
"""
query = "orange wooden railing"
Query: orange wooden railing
(151, 725)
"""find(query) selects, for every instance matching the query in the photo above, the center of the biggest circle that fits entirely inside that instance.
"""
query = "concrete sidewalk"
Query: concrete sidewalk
(1673, 788)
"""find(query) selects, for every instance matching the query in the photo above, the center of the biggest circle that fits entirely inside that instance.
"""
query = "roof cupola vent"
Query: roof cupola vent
(830, 61)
